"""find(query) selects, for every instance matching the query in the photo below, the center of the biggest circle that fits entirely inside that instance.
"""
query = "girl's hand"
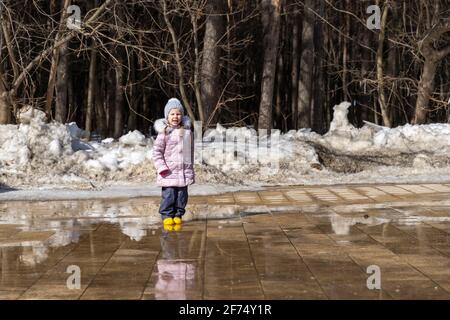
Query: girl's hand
(164, 173)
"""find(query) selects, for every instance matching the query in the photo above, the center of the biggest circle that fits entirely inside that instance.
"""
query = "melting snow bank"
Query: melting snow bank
(35, 154)
(419, 148)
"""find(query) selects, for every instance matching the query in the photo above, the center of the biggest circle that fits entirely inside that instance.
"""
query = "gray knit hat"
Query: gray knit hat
(173, 103)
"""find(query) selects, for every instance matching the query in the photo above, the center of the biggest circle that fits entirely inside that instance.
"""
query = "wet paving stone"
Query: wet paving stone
(416, 189)
(350, 194)
(273, 197)
(298, 196)
(437, 187)
(324, 195)
(287, 243)
(376, 194)
(247, 198)
(394, 190)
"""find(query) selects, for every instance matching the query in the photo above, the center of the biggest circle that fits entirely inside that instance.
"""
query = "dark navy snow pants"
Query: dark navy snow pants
(173, 201)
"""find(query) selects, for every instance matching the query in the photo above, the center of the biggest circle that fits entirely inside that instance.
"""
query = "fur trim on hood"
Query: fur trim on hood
(162, 123)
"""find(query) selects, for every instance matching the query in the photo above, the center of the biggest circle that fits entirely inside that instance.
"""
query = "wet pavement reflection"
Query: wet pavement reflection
(286, 243)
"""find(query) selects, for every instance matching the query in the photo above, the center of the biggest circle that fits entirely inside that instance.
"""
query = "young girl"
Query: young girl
(173, 155)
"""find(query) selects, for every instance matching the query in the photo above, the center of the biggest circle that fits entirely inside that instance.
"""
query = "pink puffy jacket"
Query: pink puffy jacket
(173, 150)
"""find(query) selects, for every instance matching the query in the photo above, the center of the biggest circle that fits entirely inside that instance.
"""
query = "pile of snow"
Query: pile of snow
(36, 153)
(39, 153)
(134, 138)
(348, 149)
(242, 155)
(430, 138)
(33, 143)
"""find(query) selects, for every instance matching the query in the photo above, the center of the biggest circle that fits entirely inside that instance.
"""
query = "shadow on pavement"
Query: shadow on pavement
(5, 188)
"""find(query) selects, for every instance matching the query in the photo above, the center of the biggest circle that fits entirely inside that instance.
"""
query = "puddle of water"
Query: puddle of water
(31, 232)
(341, 221)
(38, 237)
(113, 236)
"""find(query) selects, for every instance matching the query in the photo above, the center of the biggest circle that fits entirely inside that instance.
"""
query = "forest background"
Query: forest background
(111, 65)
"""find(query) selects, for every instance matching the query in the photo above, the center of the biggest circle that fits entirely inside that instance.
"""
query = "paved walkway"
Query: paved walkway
(301, 243)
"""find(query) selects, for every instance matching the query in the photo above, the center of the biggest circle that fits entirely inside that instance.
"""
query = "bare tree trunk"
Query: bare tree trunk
(319, 88)
(118, 112)
(100, 114)
(432, 59)
(232, 86)
(294, 69)
(145, 109)
(91, 89)
(110, 98)
(8, 103)
(145, 102)
(210, 80)
(366, 62)
(385, 113)
(426, 86)
(197, 84)
(444, 91)
(5, 107)
(327, 38)
(279, 92)
(279, 76)
(132, 100)
(345, 52)
(71, 98)
(54, 69)
(392, 69)
(306, 67)
(271, 25)
(61, 85)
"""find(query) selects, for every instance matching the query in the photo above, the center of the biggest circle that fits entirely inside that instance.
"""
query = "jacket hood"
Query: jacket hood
(162, 123)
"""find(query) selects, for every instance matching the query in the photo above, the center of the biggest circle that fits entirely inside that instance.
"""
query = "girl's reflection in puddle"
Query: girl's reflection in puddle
(176, 274)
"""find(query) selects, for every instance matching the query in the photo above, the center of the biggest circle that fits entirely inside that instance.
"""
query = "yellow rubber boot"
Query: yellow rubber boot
(169, 227)
(177, 220)
(168, 221)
